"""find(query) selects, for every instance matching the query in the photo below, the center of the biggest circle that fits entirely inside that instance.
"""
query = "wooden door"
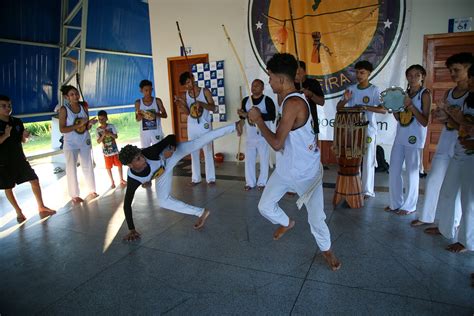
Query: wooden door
(176, 66)
(436, 49)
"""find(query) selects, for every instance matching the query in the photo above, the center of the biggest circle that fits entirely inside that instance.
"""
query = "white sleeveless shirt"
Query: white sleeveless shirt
(156, 166)
(151, 126)
(448, 138)
(413, 135)
(252, 131)
(205, 119)
(74, 140)
(300, 156)
(459, 150)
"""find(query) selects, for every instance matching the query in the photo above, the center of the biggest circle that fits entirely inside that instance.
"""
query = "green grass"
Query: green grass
(40, 140)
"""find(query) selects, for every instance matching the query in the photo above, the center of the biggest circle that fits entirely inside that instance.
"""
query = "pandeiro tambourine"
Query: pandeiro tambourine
(393, 99)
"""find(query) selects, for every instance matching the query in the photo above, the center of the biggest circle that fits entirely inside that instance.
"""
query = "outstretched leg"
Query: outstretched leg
(186, 148)
(165, 200)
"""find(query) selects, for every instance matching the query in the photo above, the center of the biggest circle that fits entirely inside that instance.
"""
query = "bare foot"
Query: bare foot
(132, 235)
(260, 187)
(93, 195)
(404, 212)
(211, 183)
(432, 231)
(45, 212)
(388, 209)
(202, 220)
(247, 188)
(76, 200)
(292, 194)
(20, 218)
(456, 248)
(417, 222)
(193, 184)
(123, 183)
(366, 197)
(281, 230)
(331, 260)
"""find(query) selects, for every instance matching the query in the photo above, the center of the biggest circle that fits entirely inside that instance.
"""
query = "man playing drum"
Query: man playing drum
(366, 97)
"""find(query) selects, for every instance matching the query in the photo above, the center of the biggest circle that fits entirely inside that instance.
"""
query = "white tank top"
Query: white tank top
(300, 156)
(156, 169)
(369, 96)
(448, 137)
(206, 115)
(252, 131)
(414, 134)
(150, 125)
(459, 150)
(74, 140)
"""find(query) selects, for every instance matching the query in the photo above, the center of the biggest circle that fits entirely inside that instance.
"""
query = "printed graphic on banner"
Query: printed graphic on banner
(211, 76)
(331, 35)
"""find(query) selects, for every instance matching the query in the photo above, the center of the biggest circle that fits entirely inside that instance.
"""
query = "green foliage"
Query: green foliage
(40, 129)
(40, 141)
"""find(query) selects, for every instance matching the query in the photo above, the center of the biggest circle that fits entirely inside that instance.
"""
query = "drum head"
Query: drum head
(393, 99)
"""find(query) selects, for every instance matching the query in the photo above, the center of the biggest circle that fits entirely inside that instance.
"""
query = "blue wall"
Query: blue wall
(29, 74)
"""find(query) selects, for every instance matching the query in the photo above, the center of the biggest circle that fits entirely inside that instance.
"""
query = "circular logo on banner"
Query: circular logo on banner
(412, 139)
(366, 99)
(331, 36)
(369, 139)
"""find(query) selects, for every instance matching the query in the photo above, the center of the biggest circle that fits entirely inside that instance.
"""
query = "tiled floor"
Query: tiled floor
(76, 263)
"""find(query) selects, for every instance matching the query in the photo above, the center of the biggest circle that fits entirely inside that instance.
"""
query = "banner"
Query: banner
(331, 36)
(211, 76)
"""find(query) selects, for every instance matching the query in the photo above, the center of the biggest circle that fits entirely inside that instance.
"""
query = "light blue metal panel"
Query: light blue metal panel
(113, 79)
(119, 25)
(28, 75)
(30, 20)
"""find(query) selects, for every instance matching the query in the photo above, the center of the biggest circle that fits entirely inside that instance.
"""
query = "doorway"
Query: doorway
(436, 49)
(176, 66)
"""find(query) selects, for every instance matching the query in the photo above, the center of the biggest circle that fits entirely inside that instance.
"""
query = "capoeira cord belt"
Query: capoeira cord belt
(309, 193)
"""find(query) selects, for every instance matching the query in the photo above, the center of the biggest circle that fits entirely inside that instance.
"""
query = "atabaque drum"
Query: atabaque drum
(350, 131)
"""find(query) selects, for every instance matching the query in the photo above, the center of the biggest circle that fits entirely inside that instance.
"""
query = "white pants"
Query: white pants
(459, 176)
(368, 169)
(194, 133)
(84, 154)
(149, 138)
(435, 178)
(253, 147)
(411, 156)
(276, 188)
(163, 183)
